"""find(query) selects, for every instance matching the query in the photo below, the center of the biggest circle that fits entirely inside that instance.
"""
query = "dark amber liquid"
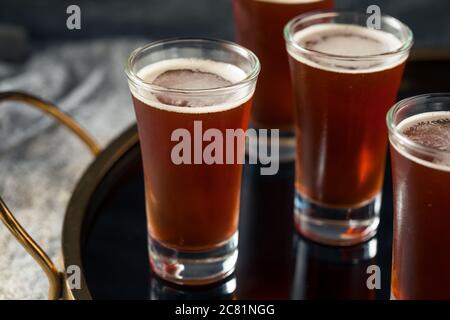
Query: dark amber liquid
(190, 207)
(259, 27)
(341, 132)
(421, 260)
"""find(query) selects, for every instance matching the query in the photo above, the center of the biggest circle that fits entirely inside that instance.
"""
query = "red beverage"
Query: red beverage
(189, 206)
(192, 99)
(340, 110)
(259, 27)
(421, 179)
(345, 78)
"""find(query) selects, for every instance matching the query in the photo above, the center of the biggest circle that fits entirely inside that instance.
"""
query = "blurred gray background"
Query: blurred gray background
(82, 72)
(45, 19)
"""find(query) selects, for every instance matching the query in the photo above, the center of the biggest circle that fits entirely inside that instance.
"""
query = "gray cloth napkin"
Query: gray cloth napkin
(40, 161)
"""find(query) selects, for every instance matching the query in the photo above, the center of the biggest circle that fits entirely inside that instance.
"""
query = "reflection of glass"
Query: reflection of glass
(224, 290)
(259, 27)
(345, 77)
(180, 87)
(419, 132)
(323, 272)
(265, 263)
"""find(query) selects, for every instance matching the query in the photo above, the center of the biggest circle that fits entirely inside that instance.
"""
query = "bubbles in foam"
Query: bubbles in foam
(226, 71)
(347, 41)
(347, 44)
(191, 74)
(431, 129)
(190, 79)
(434, 133)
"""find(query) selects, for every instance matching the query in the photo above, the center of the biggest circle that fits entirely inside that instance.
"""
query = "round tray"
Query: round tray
(105, 232)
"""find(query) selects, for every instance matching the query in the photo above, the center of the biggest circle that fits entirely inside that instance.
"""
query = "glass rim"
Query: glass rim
(404, 140)
(289, 35)
(138, 81)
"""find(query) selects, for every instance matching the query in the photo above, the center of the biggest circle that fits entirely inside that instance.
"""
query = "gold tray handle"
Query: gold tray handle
(55, 278)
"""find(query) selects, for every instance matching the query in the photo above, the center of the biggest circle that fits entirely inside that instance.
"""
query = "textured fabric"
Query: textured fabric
(40, 161)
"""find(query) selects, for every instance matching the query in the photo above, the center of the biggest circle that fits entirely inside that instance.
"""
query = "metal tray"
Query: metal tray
(105, 230)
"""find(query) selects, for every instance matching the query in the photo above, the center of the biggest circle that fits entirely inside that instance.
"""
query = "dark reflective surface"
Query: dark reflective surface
(223, 290)
(323, 272)
(265, 267)
(274, 262)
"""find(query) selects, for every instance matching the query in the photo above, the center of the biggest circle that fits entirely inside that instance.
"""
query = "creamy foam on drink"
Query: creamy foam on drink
(190, 79)
(191, 74)
(431, 129)
(347, 41)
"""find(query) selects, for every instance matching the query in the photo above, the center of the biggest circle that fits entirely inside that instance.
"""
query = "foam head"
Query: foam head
(432, 132)
(186, 74)
(355, 42)
(431, 129)
(190, 79)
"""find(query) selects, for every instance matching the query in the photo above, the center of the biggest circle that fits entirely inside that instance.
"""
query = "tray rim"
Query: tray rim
(81, 200)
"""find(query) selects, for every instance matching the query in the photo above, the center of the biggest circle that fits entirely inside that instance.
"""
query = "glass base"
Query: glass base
(337, 226)
(286, 146)
(194, 268)
(222, 290)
